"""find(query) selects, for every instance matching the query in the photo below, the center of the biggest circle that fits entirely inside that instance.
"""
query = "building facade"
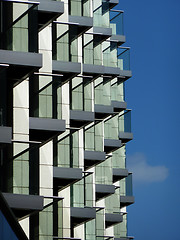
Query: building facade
(64, 122)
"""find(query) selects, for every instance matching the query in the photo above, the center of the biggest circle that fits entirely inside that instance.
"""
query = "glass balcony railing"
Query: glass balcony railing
(126, 188)
(118, 91)
(91, 54)
(101, 16)
(80, 8)
(116, 22)
(123, 54)
(65, 43)
(20, 33)
(125, 122)
(117, 57)
(46, 100)
(129, 188)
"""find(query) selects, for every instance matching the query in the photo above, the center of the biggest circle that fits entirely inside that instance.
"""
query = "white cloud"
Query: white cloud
(143, 172)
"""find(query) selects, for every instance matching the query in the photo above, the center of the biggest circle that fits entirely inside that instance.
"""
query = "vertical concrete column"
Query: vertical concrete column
(20, 164)
(46, 189)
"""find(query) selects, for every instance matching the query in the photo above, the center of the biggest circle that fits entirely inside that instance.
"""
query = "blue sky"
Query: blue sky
(152, 30)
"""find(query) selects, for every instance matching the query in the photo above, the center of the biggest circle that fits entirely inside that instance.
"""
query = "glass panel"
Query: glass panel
(116, 22)
(77, 194)
(124, 58)
(101, 14)
(90, 230)
(89, 139)
(125, 122)
(104, 172)
(65, 43)
(82, 192)
(20, 29)
(120, 230)
(94, 140)
(111, 130)
(103, 91)
(119, 158)
(129, 189)
(117, 91)
(110, 55)
(75, 7)
(81, 94)
(77, 94)
(99, 138)
(112, 202)
(87, 8)
(92, 54)
(100, 224)
(63, 152)
(89, 190)
(66, 151)
(88, 51)
(21, 168)
(88, 94)
(80, 8)
(25, 169)
(46, 100)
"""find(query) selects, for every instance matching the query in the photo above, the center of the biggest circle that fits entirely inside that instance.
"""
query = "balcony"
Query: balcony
(102, 111)
(5, 135)
(80, 118)
(101, 34)
(48, 11)
(98, 70)
(123, 55)
(92, 158)
(117, 25)
(111, 145)
(112, 219)
(119, 173)
(82, 215)
(68, 69)
(42, 129)
(101, 29)
(93, 70)
(118, 106)
(21, 64)
(104, 190)
(125, 134)
(63, 177)
(80, 24)
(22, 205)
(128, 198)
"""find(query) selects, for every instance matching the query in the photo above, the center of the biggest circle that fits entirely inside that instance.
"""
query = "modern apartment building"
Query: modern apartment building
(64, 122)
